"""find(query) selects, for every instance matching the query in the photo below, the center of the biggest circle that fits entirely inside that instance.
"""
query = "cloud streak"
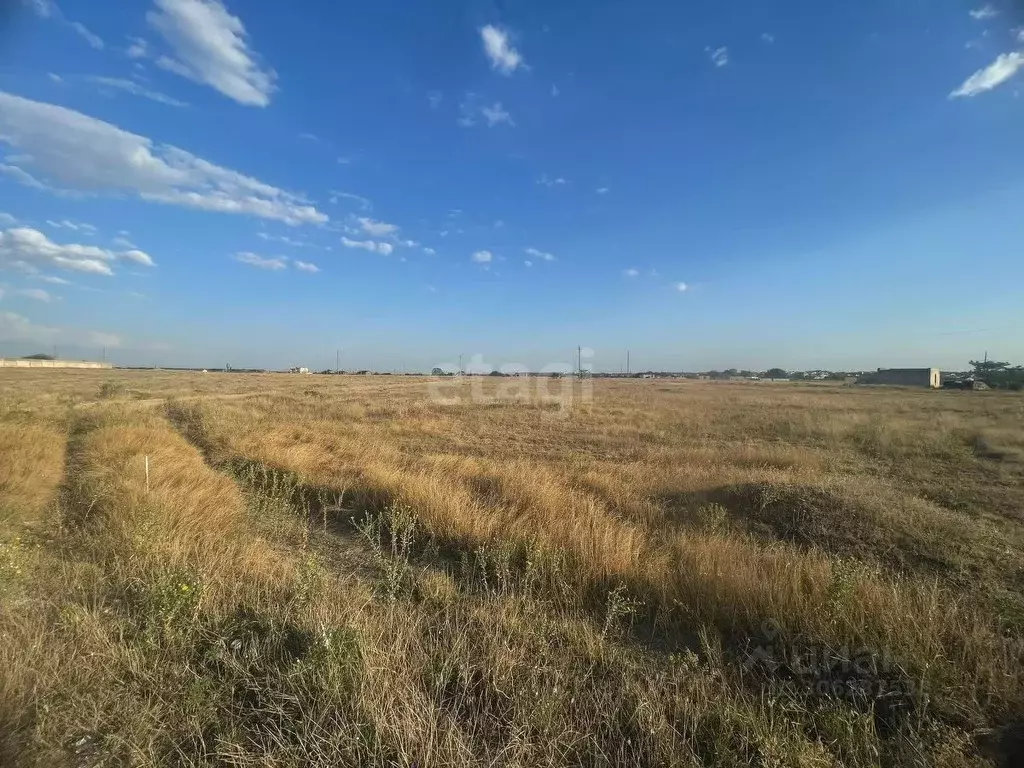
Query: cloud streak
(211, 47)
(253, 260)
(87, 154)
(992, 76)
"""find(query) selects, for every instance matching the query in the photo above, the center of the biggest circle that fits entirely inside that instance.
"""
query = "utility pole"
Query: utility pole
(54, 351)
(579, 361)
(460, 363)
(627, 362)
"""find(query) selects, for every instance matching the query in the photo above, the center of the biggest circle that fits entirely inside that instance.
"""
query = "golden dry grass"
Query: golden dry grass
(341, 571)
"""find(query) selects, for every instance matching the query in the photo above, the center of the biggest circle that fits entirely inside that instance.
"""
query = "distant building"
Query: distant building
(904, 377)
(299, 370)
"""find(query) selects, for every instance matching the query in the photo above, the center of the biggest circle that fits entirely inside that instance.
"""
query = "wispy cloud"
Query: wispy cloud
(471, 110)
(603, 190)
(995, 74)
(435, 98)
(212, 48)
(72, 225)
(527, 263)
(986, 11)
(499, 50)
(36, 294)
(305, 266)
(376, 228)
(365, 204)
(44, 9)
(92, 39)
(47, 9)
(274, 264)
(681, 287)
(631, 272)
(139, 49)
(719, 56)
(87, 154)
(429, 251)
(543, 255)
(482, 257)
(768, 37)
(130, 86)
(385, 249)
(284, 240)
(495, 115)
(21, 176)
(547, 181)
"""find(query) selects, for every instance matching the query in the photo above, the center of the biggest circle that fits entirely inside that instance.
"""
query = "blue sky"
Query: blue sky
(709, 184)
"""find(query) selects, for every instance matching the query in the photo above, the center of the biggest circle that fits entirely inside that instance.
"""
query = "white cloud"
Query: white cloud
(385, 249)
(94, 40)
(376, 228)
(768, 37)
(631, 272)
(130, 86)
(36, 294)
(985, 12)
(123, 242)
(6, 218)
(365, 204)
(14, 327)
(139, 257)
(603, 190)
(139, 49)
(495, 115)
(995, 74)
(27, 250)
(55, 77)
(435, 98)
(429, 251)
(366, 245)
(719, 56)
(1020, 35)
(503, 56)
(540, 254)
(470, 110)
(546, 181)
(73, 226)
(19, 175)
(53, 280)
(483, 257)
(305, 266)
(212, 47)
(44, 9)
(85, 153)
(681, 287)
(528, 263)
(554, 91)
(253, 260)
(284, 239)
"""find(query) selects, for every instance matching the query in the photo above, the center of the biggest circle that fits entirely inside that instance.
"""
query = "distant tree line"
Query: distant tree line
(999, 375)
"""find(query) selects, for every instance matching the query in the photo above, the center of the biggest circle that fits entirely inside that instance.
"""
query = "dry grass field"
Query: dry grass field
(340, 571)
